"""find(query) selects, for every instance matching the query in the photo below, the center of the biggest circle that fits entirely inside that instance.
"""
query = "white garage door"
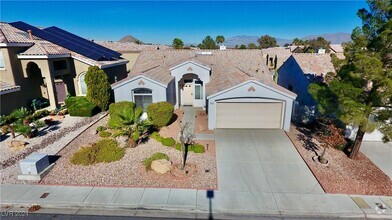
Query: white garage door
(249, 115)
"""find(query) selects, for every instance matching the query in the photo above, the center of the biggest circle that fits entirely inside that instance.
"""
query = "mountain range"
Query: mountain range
(334, 38)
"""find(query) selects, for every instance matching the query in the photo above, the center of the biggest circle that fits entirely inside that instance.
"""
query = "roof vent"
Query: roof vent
(204, 53)
(30, 34)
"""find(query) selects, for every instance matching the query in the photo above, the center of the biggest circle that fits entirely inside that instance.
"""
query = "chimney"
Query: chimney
(30, 34)
(222, 47)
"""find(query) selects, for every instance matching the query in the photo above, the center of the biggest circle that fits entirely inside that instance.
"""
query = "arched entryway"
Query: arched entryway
(37, 86)
(191, 90)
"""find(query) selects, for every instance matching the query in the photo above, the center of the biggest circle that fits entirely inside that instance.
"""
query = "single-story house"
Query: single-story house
(234, 86)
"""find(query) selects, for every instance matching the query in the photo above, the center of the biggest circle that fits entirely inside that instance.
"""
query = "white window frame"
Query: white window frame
(2, 60)
(80, 84)
(142, 94)
(201, 91)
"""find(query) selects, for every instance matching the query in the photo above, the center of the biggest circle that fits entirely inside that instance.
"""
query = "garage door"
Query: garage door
(249, 115)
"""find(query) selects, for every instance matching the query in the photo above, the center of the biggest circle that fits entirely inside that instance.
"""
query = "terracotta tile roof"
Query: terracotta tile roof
(4, 86)
(130, 46)
(279, 51)
(42, 47)
(337, 48)
(228, 67)
(313, 63)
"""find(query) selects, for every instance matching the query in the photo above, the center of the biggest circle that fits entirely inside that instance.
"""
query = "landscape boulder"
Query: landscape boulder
(161, 166)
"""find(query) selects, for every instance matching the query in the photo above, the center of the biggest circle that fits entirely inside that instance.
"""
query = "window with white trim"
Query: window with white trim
(142, 97)
(2, 66)
(198, 90)
(82, 84)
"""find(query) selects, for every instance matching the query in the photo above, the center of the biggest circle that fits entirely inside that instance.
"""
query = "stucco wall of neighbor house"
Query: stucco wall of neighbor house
(116, 73)
(242, 94)
(132, 57)
(9, 102)
(291, 74)
(80, 68)
(48, 80)
(123, 91)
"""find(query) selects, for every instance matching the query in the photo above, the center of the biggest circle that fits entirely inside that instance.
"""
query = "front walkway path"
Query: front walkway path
(380, 154)
(189, 117)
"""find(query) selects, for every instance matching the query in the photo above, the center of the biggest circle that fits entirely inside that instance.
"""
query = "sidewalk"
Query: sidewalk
(191, 203)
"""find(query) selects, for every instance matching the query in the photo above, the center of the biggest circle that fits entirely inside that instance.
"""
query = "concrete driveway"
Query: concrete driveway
(261, 161)
(380, 154)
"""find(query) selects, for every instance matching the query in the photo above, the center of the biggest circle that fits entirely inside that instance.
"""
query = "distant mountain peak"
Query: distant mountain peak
(129, 38)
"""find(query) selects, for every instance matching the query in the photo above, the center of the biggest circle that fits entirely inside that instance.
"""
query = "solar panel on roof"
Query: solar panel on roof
(82, 41)
(70, 41)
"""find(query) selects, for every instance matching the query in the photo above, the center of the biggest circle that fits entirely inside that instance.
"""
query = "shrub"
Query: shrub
(23, 129)
(39, 124)
(168, 142)
(101, 128)
(196, 148)
(4, 129)
(123, 114)
(119, 133)
(156, 136)
(20, 114)
(178, 146)
(105, 134)
(105, 150)
(157, 156)
(80, 106)
(160, 113)
(40, 114)
(98, 87)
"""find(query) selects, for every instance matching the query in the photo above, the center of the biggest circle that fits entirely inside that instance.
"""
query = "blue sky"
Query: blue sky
(161, 21)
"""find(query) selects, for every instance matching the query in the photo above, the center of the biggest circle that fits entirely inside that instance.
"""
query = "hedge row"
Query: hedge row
(80, 106)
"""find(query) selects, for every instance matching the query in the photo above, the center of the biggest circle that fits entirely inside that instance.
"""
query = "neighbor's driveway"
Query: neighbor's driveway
(380, 154)
(261, 161)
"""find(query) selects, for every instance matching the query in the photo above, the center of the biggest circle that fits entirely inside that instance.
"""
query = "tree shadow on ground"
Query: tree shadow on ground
(306, 136)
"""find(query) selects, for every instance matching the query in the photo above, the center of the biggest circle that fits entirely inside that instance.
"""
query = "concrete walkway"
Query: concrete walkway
(380, 154)
(190, 203)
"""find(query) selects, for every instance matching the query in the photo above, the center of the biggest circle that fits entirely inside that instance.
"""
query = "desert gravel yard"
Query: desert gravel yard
(130, 171)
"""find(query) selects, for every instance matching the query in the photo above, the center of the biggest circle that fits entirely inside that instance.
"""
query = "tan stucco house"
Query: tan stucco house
(33, 66)
(234, 86)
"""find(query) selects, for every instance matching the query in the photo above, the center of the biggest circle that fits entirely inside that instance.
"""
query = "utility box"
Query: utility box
(34, 164)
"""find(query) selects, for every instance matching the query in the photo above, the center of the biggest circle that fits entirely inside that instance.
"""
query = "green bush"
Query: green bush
(23, 129)
(196, 148)
(155, 135)
(20, 114)
(160, 113)
(101, 128)
(178, 146)
(157, 156)
(98, 87)
(80, 106)
(105, 150)
(123, 114)
(40, 114)
(39, 124)
(168, 142)
(119, 133)
(105, 134)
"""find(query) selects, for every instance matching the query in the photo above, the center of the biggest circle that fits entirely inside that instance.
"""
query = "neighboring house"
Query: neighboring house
(48, 63)
(235, 86)
(131, 50)
(281, 53)
(298, 72)
(338, 50)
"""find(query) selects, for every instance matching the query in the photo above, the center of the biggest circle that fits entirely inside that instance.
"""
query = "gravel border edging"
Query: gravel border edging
(50, 140)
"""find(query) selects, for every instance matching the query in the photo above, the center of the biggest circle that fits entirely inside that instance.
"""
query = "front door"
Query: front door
(187, 94)
(60, 92)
